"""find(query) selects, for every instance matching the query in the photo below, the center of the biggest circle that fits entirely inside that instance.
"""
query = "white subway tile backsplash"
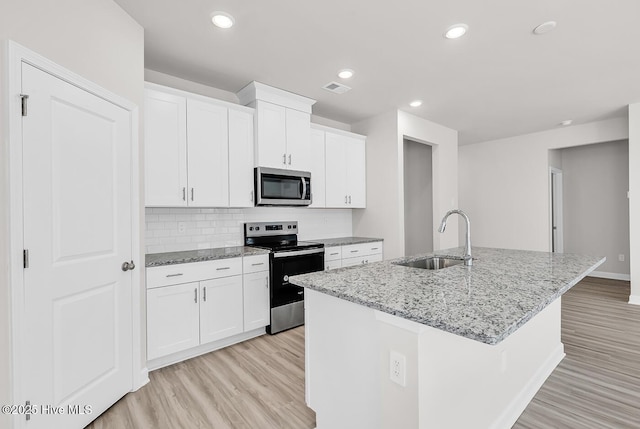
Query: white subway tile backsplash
(219, 227)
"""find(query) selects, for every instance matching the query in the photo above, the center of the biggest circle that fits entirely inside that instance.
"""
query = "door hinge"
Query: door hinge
(25, 258)
(27, 407)
(24, 97)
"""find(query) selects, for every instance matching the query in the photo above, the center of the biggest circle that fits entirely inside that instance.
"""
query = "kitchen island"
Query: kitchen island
(390, 346)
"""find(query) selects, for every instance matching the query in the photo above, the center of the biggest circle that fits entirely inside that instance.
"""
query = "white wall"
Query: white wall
(93, 38)
(634, 200)
(504, 184)
(384, 215)
(595, 204)
(207, 228)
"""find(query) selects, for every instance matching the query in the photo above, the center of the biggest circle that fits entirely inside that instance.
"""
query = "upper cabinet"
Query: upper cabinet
(283, 126)
(345, 160)
(198, 151)
(317, 168)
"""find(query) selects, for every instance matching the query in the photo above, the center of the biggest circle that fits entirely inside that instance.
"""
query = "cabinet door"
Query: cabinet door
(332, 265)
(298, 140)
(336, 171)
(165, 147)
(356, 173)
(240, 159)
(220, 308)
(271, 135)
(317, 169)
(172, 319)
(207, 155)
(350, 262)
(256, 300)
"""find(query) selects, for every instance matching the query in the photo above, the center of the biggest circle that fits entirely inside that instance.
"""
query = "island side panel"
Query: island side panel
(342, 363)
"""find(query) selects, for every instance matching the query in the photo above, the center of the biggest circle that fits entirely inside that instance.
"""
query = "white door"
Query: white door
(207, 155)
(298, 126)
(240, 159)
(336, 171)
(165, 143)
(77, 229)
(356, 173)
(256, 300)
(271, 135)
(220, 308)
(317, 169)
(172, 319)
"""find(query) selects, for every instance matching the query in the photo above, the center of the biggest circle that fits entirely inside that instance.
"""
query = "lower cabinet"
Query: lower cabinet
(226, 300)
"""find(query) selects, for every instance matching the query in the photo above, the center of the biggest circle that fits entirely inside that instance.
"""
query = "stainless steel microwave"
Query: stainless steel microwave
(277, 187)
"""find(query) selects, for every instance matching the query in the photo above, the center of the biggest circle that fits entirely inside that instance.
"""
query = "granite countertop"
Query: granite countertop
(184, 257)
(344, 241)
(485, 302)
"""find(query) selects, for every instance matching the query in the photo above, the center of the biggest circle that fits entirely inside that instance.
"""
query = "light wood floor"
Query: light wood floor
(259, 384)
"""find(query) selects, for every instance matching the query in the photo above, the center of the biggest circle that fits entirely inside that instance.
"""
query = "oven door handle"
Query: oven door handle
(304, 188)
(298, 253)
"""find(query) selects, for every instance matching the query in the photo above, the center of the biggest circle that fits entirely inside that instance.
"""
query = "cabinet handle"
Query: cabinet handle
(204, 294)
(349, 199)
(195, 295)
(266, 282)
(354, 251)
(251, 198)
(289, 159)
(374, 248)
(184, 194)
(345, 199)
(174, 275)
(284, 158)
(259, 263)
(223, 268)
(333, 254)
(191, 194)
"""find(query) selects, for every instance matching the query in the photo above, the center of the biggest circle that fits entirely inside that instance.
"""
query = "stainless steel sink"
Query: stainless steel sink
(432, 263)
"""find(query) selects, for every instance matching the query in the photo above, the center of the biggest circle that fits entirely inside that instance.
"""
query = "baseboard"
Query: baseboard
(520, 402)
(171, 359)
(634, 299)
(612, 276)
(141, 379)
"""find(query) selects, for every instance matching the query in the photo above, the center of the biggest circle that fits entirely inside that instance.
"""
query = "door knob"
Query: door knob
(126, 266)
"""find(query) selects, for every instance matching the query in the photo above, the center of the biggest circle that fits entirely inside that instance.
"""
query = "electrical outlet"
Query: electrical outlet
(398, 368)
(621, 257)
(182, 227)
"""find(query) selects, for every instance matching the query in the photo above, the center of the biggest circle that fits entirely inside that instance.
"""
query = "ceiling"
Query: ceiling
(498, 80)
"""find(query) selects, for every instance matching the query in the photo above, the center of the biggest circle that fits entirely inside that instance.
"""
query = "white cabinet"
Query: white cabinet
(207, 154)
(220, 308)
(172, 319)
(240, 159)
(352, 254)
(345, 160)
(282, 138)
(165, 137)
(256, 292)
(317, 168)
(198, 151)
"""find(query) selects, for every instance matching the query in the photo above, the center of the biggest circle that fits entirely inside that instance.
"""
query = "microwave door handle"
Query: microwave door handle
(304, 188)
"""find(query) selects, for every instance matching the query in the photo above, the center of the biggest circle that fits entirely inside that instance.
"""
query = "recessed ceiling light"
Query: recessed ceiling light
(545, 27)
(222, 20)
(345, 73)
(566, 122)
(416, 103)
(456, 31)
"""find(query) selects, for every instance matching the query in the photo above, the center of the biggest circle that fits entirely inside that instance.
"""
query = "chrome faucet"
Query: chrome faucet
(468, 260)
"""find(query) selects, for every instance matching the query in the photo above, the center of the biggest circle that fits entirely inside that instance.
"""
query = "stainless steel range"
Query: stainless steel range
(288, 257)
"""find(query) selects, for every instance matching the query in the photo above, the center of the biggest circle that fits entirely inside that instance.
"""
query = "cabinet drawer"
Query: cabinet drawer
(332, 253)
(192, 272)
(362, 249)
(253, 264)
(350, 262)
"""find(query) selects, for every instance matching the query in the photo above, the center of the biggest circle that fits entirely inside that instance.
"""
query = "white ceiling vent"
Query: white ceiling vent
(336, 87)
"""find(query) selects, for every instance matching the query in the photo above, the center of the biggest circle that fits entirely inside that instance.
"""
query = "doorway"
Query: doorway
(418, 197)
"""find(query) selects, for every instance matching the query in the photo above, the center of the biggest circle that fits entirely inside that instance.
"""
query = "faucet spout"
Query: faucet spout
(468, 260)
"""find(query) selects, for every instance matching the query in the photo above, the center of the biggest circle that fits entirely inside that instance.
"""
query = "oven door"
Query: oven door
(276, 187)
(287, 264)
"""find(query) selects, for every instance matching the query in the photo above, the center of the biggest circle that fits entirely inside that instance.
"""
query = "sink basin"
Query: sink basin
(432, 263)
